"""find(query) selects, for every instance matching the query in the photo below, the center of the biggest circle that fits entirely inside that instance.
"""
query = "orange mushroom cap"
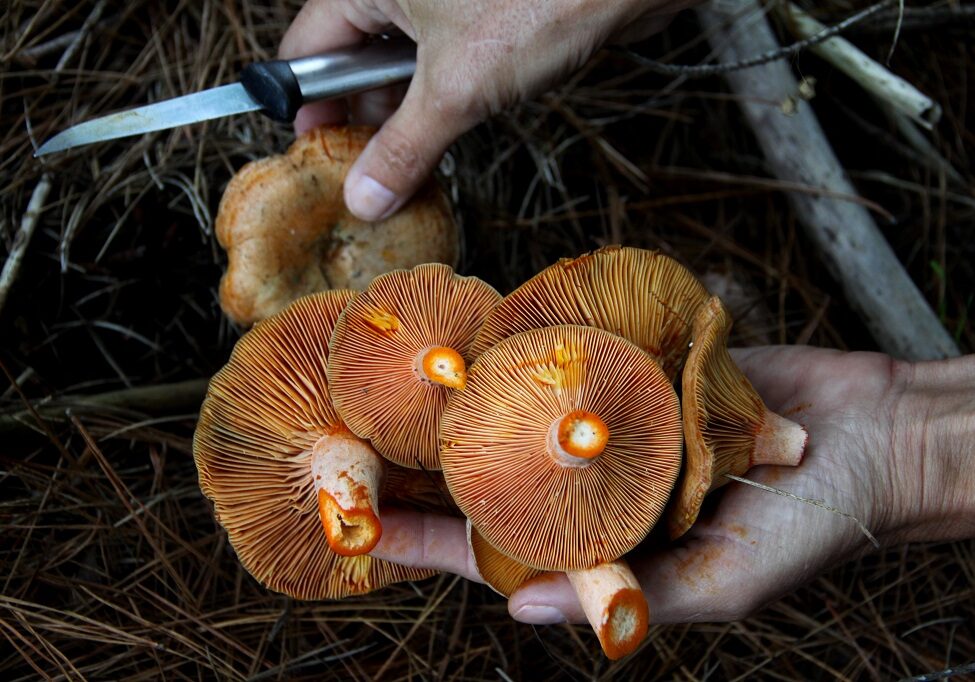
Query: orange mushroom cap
(499, 463)
(254, 447)
(643, 296)
(503, 574)
(727, 427)
(379, 352)
(287, 231)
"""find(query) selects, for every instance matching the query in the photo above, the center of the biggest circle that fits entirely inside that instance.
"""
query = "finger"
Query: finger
(374, 108)
(699, 581)
(323, 25)
(426, 541)
(405, 151)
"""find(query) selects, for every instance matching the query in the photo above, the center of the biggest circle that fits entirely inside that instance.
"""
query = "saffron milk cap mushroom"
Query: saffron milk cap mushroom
(641, 295)
(295, 490)
(398, 350)
(287, 231)
(562, 452)
(564, 447)
(727, 427)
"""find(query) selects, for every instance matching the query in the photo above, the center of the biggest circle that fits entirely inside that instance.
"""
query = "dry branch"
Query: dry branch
(796, 149)
(890, 89)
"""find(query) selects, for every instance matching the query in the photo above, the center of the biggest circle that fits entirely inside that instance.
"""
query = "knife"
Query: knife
(276, 88)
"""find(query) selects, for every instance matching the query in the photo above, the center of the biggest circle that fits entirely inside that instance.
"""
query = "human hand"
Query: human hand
(473, 60)
(889, 443)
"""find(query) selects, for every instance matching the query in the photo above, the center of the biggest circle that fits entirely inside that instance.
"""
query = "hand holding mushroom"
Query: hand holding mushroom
(473, 61)
(870, 420)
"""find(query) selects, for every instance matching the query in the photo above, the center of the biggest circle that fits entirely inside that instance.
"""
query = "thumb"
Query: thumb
(402, 154)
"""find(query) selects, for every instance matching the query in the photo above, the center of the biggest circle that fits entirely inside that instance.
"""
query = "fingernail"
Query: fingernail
(539, 615)
(368, 199)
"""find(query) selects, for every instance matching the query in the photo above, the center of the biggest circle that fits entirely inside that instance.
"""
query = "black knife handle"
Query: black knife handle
(281, 87)
(273, 85)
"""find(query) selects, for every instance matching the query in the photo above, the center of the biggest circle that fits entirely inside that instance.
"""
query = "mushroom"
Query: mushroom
(502, 574)
(287, 232)
(643, 296)
(562, 452)
(727, 427)
(620, 620)
(279, 465)
(398, 350)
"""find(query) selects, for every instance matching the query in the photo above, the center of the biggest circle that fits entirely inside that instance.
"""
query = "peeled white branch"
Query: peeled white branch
(797, 150)
(890, 89)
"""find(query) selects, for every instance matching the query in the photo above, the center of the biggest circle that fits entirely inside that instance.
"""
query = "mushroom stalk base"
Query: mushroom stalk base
(614, 605)
(780, 441)
(348, 475)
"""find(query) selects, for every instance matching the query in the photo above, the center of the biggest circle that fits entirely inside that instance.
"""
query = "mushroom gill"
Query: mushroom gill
(512, 483)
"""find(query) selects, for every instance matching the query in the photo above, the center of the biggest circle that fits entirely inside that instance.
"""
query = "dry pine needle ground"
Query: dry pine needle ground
(110, 562)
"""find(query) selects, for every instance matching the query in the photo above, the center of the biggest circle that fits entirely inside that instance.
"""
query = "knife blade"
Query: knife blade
(276, 88)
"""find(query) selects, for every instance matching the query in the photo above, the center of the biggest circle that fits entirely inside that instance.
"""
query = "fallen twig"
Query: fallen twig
(888, 88)
(796, 149)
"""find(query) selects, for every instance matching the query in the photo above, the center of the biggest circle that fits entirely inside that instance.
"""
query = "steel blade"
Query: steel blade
(200, 106)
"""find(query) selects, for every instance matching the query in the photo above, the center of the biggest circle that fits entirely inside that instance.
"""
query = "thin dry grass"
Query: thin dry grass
(110, 561)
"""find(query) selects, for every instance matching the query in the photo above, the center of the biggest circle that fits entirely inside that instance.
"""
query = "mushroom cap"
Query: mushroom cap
(724, 417)
(502, 574)
(498, 461)
(287, 232)
(263, 413)
(374, 347)
(641, 295)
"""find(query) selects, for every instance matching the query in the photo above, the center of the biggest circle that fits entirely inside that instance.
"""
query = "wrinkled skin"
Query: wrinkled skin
(890, 443)
(473, 60)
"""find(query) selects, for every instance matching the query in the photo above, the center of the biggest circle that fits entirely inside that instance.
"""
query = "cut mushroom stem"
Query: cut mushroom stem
(614, 605)
(577, 439)
(441, 365)
(348, 476)
(779, 441)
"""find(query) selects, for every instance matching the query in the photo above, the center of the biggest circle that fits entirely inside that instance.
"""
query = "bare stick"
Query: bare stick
(27, 224)
(876, 79)
(852, 246)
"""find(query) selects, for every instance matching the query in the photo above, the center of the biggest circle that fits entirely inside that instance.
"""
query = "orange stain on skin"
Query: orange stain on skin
(698, 567)
(739, 530)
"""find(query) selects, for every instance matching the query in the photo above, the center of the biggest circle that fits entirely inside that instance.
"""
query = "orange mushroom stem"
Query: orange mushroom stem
(441, 365)
(348, 476)
(614, 604)
(578, 438)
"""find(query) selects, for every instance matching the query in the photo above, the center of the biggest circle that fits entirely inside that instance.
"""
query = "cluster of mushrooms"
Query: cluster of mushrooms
(551, 413)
